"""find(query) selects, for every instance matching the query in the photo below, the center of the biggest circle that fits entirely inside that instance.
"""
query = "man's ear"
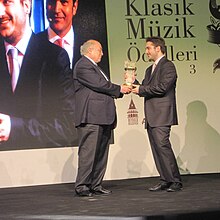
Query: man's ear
(158, 48)
(75, 7)
(27, 6)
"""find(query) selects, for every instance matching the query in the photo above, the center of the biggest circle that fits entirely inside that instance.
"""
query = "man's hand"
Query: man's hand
(135, 89)
(5, 127)
(125, 89)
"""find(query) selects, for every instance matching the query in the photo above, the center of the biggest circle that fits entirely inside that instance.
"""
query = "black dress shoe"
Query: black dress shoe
(160, 186)
(101, 191)
(85, 193)
(174, 187)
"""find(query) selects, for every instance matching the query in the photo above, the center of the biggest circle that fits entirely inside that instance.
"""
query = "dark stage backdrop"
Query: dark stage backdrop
(89, 23)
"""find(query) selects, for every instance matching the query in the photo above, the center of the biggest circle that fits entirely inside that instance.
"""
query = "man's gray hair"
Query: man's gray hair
(85, 47)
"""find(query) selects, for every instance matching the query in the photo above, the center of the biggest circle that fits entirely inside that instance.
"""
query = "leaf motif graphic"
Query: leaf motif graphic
(213, 21)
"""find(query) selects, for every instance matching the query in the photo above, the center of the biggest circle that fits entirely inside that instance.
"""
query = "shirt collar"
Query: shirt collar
(157, 61)
(91, 60)
(69, 37)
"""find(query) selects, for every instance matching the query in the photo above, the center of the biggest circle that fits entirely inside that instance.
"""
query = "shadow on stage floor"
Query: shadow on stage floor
(130, 200)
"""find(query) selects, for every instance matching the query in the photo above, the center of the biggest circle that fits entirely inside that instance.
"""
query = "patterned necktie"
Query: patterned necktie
(14, 66)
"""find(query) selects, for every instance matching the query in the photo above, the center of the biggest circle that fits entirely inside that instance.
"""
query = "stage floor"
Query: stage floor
(199, 199)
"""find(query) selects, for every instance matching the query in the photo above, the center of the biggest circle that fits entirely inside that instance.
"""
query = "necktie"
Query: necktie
(14, 66)
(153, 67)
(59, 42)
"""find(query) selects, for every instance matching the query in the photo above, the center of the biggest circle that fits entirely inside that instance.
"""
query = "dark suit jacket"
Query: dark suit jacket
(41, 107)
(94, 95)
(77, 43)
(158, 90)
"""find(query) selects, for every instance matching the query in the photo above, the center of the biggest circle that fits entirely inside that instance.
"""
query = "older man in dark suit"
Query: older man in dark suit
(36, 110)
(95, 117)
(158, 90)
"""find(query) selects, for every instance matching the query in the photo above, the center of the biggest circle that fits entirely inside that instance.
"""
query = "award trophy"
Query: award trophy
(130, 69)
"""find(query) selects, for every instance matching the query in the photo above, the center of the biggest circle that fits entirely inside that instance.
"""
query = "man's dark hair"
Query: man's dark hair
(72, 0)
(157, 41)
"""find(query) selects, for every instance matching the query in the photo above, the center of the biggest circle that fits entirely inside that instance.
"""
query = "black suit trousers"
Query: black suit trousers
(93, 156)
(163, 154)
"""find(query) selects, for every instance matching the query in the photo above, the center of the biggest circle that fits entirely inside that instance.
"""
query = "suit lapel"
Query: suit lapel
(155, 72)
(5, 78)
(29, 72)
(102, 72)
(76, 49)
(97, 68)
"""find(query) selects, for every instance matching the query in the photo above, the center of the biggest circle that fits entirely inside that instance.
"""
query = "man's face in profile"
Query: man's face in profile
(60, 14)
(95, 52)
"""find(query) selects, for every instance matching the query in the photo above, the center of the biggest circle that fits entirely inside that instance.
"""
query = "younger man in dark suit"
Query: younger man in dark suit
(158, 90)
(60, 16)
(37, 111)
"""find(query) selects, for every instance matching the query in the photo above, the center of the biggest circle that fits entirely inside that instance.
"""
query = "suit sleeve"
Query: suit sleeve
(88, 76)
(166, 80)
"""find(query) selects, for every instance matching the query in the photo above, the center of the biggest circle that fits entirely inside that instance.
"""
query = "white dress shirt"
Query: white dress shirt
(68, 41)
(21, 46)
